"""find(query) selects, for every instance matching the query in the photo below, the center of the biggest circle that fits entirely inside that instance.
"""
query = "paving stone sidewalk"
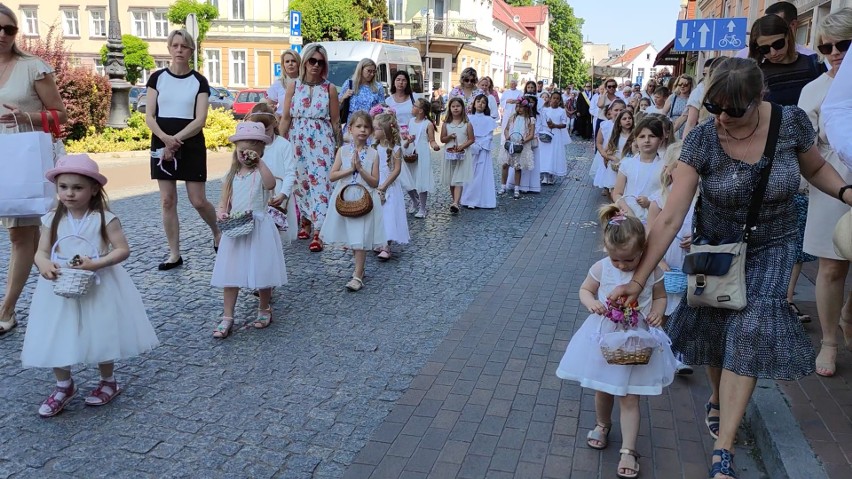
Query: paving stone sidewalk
(488, 404)
(298, 399)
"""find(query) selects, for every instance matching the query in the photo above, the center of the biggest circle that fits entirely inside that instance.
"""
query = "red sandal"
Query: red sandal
(100, 397)
(316, 244)
(55, 406)
(304, 231)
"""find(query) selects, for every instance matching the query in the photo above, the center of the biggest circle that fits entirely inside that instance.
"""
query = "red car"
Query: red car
(246, 100)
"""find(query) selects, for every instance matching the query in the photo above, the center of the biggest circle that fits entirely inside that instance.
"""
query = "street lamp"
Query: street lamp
(119, 108)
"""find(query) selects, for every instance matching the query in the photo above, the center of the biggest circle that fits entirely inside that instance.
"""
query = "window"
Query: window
(213, 66)
(30, 21)
(97, 23)
(215, 3)
(238, 9)
(415, 72)
(640, 72)
(70, 23)
(99, 67)
(396, 10)
(238, 67)
(140, 24)
(163, 63)
(161, 25)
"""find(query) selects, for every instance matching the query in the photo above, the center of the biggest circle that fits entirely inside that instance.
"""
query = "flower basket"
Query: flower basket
(629, 343)
(278, 215)
(353, 201)
(237, 224)
(675, 281)
(70, 282)
(545, 137)
(515, 144)
(453, 155)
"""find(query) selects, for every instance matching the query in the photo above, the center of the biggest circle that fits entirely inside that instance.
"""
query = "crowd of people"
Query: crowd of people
(742, 158)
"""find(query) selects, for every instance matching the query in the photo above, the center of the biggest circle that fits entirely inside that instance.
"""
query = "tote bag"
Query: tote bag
(26, 156)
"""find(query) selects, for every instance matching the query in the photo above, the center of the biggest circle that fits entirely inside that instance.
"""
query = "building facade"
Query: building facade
(638, 61)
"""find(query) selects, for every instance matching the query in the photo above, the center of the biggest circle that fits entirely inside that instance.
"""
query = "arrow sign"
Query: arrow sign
(731, 26)
(703, 30)
(684, 38)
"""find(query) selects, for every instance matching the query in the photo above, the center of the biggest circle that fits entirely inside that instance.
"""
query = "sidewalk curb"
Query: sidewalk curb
(784, 450)
(146, 154)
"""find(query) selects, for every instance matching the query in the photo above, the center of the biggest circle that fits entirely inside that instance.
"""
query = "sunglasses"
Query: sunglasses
(825, 48)
(611, 86)
(469, 80)
(9, 29)
(776, 45)
(314, 62)
(715, 109)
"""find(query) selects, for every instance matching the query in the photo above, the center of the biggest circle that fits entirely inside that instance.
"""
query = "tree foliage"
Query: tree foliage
(372, 9)
(566, 40)
(520, 3)
(85, 94)
(136, 57)
(328, 20)
(204, 11)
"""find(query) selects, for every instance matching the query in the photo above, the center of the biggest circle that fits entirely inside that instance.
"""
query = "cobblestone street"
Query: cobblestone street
(299, 399)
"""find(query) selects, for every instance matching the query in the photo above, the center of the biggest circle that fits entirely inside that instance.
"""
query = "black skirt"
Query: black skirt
(190, 160)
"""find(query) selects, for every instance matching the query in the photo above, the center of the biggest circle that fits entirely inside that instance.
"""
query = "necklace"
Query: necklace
(752, 131)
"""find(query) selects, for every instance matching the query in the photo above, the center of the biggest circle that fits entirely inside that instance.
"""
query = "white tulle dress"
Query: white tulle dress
(108, 323)
(530, 178)
(393, 211)
(254, 260)
(583, 361)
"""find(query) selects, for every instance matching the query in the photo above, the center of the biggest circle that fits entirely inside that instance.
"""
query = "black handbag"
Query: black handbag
(344, 105)
(716, 270)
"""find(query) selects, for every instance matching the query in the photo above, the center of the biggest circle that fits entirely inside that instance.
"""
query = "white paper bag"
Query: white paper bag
(24, 159)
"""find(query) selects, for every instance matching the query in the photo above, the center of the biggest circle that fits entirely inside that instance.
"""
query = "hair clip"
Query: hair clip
(617, 219)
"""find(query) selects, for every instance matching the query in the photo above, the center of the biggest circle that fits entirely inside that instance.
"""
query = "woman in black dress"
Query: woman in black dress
(178, 98)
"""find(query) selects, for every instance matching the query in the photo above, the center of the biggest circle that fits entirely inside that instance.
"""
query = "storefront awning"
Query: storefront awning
(669, 57)
(611, 72)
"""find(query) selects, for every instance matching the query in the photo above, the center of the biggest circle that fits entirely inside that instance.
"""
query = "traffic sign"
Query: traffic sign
(277, 69)
(711, 34)
(295, 40)
(295, 23)
(296, 48)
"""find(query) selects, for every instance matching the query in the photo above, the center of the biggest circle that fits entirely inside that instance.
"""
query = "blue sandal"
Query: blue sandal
(725, 465)
(712, 422)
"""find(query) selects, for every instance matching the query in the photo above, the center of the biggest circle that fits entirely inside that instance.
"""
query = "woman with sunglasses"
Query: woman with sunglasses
(675, 107)
(467, 89)
(28, 88)
(311, 120)
(764, 340)
(833, 40)
(609, 94)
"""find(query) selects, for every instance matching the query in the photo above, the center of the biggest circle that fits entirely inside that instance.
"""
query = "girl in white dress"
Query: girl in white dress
(480, 192)
(553, 153)
(457, 136)
(418, 141)
(604, 175)
(639, 176)
(356, 162)
(622, 130)
(254, 260)
(520, 127)
(107, 323)
(624, 241)
(386, 133)
(530, 178)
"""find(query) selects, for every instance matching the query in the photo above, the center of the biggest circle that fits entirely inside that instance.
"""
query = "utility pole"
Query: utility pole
(428, 60)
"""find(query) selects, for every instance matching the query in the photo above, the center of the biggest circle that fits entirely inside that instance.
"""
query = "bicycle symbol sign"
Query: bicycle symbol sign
(710, 34)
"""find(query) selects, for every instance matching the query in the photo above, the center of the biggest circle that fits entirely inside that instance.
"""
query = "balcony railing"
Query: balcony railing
(452, 28)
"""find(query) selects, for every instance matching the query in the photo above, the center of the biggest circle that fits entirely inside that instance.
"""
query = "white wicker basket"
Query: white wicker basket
(70, 282)
(237, 224)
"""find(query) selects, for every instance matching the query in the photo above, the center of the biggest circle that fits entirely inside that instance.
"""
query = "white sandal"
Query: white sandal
(354, 284)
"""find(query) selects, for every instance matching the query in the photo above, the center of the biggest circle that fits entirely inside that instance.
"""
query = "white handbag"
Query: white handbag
(27, 155)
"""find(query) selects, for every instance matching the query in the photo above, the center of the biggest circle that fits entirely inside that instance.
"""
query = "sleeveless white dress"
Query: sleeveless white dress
(604, 175)
(643, 179)
(108, 323)
(457, 172)
(255, 260)
(393, 211)
(583, 361)
(421, 170)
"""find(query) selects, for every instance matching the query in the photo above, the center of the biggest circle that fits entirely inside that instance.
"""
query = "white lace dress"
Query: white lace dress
(583, 361)
(108, 323)
(255, 260)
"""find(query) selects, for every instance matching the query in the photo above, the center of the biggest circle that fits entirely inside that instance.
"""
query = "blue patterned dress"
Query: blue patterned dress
(766, 339)
(364, 99)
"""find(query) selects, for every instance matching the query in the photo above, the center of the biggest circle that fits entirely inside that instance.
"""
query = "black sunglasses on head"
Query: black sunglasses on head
(316, 62)
(9, 29)
(715, 109)
(776, 45)
(826, 48)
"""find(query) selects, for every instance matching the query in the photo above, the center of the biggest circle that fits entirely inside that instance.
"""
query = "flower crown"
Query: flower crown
(380, 108)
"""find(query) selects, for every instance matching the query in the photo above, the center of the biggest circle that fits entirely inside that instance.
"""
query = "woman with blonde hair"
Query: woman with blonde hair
(290, 63)
(310, 120)
(675, 107)
(363, 90)
(28, 88)
(833, 40)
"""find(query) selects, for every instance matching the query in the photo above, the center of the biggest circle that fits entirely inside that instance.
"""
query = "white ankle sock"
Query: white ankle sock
(110, 379)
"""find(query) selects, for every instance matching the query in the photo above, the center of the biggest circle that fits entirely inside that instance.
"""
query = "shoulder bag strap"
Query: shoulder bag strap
(760, 189)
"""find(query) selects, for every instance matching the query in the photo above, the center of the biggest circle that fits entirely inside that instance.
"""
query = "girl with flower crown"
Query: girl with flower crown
(624, 242)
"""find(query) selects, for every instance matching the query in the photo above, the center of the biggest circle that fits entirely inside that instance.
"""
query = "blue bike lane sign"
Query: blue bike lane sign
(711, 34)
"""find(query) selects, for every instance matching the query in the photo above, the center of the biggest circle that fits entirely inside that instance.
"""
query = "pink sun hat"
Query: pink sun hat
(250, 130)
(80, 164)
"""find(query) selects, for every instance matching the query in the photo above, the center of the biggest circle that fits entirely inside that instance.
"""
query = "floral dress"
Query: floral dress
(364, 99)
(457, 92)
(313, 143)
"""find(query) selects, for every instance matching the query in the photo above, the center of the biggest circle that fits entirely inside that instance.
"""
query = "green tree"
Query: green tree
(566, 40)
(372, 9)
(328, 20)
(520, 3)
(204, 12)
(136, 57)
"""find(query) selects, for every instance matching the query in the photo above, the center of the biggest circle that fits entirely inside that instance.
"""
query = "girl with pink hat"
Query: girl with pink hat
(250, 255)
(98, 325)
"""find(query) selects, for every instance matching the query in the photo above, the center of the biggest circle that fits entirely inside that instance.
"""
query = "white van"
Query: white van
(343, 57)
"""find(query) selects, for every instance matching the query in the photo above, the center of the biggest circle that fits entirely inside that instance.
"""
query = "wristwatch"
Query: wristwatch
(843, 190)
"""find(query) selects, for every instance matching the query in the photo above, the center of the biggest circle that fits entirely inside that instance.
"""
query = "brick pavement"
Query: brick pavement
(488, 404)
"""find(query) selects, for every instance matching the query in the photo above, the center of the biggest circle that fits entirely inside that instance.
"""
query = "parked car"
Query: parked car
(135, 93)
(219, 99)
(246, 100)
(142, 102)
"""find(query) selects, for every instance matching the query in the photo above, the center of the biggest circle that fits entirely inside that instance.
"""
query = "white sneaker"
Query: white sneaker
(421, 213)
(412, 208)
(501, 190)
(683, 369)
